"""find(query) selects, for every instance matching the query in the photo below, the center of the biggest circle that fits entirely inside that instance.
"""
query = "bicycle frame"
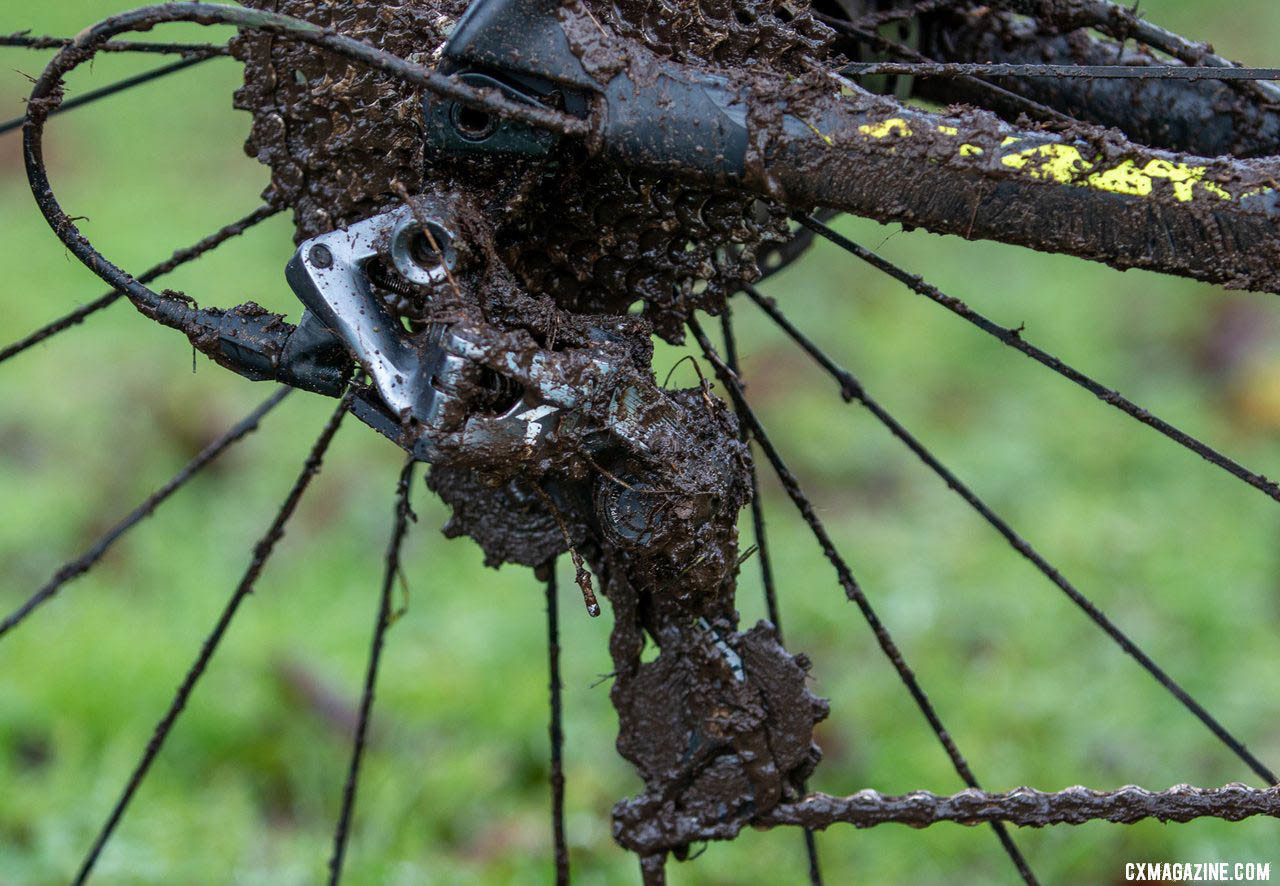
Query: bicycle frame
(812, 141)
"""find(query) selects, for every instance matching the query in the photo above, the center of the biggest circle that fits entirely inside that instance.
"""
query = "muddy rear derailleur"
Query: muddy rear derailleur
(445, 385)
(575, 443)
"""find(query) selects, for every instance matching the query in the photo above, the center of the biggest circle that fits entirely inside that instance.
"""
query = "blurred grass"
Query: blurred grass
(454, 790)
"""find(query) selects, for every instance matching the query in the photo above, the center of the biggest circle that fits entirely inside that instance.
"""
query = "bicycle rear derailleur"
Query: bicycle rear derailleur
(547, 432)
(404, 295)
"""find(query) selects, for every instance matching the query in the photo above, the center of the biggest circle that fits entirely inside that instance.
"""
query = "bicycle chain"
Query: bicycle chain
(1025, 807)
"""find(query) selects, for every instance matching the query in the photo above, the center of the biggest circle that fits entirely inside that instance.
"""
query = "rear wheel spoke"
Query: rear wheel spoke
(653, 869)
(392, 569)
(114, 88)
(1122, 23)
(82, 564)
(555, 728)
(1091, 72)
(1013, 338)
(261, 553)
(26, 40)
(180, 257)
(757, 509)
(851, 588)
(762, 552)
(852, 389)
(1029, 106)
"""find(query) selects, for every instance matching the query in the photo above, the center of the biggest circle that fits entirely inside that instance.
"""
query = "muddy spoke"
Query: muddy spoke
(1033, 108)
(261, 553)
(556, 728)
(179, 258)
(1014, 339)
(26, 40)
(851, 587)
(852, 389)
(1091, 72)
(82, 564)
(114, 88)
(757, 509)
(392, 569)
(1122, 24)
(653, 869)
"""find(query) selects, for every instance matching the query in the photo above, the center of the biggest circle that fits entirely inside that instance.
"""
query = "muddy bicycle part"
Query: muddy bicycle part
(1208, 118)
(480, 129)
(826, 142)
(855, 152)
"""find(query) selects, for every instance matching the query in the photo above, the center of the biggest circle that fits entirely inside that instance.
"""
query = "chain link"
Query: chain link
(1027, 807)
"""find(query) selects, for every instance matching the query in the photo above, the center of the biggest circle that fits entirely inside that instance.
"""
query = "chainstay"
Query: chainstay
(1087, 193)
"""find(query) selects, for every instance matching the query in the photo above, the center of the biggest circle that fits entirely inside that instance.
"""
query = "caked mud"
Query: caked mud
(571, 259)
(567, 267)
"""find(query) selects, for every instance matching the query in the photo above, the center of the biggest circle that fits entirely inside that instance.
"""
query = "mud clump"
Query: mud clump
(644, 483)
(337, 135)
(742, 722)
(340, 139)
(780, 35)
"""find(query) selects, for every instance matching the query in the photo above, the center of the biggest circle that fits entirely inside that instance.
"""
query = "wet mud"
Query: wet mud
(644, 484)
(568, 265)
(1207, 118)
(339, 140)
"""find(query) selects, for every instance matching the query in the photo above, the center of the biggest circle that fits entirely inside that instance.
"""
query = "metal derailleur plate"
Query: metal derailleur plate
(330, 276)
(423, 374)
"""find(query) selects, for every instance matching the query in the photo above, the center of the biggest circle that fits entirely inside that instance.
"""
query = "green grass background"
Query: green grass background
(454, 789)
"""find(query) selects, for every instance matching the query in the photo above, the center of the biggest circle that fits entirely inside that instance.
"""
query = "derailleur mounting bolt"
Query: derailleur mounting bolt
(320, 256)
